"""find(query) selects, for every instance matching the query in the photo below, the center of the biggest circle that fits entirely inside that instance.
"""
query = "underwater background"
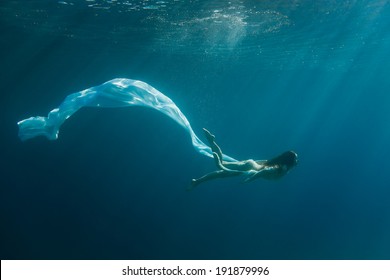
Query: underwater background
(263, 76)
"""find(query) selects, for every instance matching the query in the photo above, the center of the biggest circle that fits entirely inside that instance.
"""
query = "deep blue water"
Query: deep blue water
(263, 76)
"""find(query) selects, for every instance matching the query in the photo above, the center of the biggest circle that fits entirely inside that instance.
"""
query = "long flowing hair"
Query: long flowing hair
(288, 159)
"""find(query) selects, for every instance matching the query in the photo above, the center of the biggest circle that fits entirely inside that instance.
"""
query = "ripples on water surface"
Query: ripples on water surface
(265, 76)
(277, 32)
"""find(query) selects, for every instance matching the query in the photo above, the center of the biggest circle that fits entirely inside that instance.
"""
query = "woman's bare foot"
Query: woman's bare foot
(210, 137)
(193, 184)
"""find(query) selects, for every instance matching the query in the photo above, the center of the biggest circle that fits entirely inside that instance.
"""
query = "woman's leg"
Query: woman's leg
(213, 175)
(218, 157)
(241, 166)
(214, 147)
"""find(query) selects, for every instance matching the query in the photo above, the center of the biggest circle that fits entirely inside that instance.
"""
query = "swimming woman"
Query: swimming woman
(271, 169)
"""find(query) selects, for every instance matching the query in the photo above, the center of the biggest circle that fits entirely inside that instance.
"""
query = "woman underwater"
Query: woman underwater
(271, 169)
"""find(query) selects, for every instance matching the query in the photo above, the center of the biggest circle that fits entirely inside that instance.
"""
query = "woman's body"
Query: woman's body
(267, 169)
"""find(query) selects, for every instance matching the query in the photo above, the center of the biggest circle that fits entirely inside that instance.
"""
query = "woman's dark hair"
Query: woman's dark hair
(287, 158)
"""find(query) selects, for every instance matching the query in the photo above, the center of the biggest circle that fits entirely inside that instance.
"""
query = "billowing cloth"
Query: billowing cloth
(114, 93)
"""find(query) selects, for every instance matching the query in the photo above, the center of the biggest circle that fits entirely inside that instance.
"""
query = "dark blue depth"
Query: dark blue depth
(264, 77)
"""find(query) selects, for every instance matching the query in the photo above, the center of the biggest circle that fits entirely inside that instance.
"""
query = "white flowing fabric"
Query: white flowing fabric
(114, 93)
